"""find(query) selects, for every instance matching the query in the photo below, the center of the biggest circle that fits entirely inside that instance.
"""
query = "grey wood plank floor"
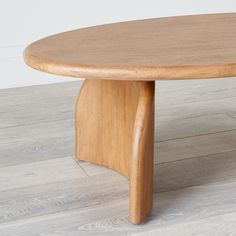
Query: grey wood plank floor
(45, 191)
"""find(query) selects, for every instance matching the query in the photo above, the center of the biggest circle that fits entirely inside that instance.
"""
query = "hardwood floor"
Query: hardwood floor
(45, 191)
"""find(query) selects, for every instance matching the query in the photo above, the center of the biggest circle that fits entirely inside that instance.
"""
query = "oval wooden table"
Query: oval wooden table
(115, 107)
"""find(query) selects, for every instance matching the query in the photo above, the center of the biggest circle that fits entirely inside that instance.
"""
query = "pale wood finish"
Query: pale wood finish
(68, 207)
(185, 47)
(115, 119)
(52, 203)
(115, 128)
(219, 225)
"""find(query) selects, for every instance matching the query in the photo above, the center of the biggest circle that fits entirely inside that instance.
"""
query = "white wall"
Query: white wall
(24, 21)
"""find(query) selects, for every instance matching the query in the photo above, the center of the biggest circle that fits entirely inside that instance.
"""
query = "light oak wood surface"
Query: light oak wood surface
(195, 195)
(115, 128)
(183, 47)
(115, 107)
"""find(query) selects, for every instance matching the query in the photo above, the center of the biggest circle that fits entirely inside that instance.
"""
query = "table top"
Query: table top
(183, 47)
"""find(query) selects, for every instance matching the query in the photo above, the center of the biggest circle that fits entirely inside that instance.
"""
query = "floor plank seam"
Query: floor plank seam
(37, 123)
(198, 135)
(189, 117)
(195, 157)
(59, 214)
(168, 107)
(77, 162)
(230, 115)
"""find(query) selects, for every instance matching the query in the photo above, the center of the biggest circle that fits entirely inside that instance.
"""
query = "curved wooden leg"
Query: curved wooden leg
(114, 128)
(141, 168)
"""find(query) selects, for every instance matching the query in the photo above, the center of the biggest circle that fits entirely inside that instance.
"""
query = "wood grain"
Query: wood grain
(184, 47)
(33, 200)
(42, 172)
(115, 128)
(201, 170)
(141, 163)
(195, 146)
(219, 225)
(169, 128)
(106, 218)
(105, 116)
(115, 119)
(46, 132)
(22, 201)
